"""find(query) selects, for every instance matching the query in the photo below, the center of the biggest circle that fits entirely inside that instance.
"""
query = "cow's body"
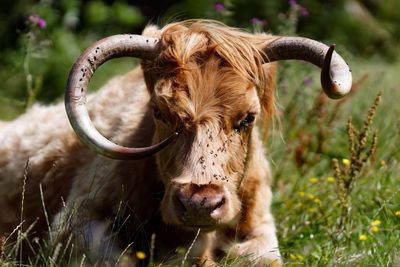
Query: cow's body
(96, 189)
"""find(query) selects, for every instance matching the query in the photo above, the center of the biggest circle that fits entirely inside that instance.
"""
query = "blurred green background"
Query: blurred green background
(36, 55)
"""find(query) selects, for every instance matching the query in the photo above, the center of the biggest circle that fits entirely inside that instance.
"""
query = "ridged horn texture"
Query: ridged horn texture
(78, 80)
(336, 78)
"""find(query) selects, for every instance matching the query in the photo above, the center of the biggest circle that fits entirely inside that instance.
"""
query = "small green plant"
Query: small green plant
(34, 46)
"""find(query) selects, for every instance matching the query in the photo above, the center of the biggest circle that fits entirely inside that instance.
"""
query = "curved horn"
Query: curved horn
(336, 76)
(78, 80)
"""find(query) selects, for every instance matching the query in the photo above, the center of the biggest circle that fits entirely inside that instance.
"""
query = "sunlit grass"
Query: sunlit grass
(307, 203)
(314, 226)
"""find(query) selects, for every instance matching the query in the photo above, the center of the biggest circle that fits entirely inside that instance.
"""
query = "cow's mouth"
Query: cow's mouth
(202, 222)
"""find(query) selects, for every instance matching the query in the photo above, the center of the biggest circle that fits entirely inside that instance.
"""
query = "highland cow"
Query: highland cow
(169, 150)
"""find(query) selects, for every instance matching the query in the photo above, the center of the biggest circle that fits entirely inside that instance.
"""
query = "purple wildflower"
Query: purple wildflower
(292, 2)
(304, 12)
(37, 20)
(258, 22)
(219, 7)
(308, 81)
(41, 23)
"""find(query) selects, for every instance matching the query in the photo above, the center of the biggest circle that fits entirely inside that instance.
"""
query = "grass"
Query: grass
(336, 171)
(330, 209)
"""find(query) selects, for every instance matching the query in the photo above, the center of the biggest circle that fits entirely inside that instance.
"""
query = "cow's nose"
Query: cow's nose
(201, 201)
(199, 204)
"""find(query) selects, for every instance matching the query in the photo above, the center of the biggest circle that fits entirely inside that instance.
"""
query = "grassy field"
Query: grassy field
(336, 194)
(345, 213)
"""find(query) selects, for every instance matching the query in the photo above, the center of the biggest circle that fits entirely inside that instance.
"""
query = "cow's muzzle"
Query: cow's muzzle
(199, 206)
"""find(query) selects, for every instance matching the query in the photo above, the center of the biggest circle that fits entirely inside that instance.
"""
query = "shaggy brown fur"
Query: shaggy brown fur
(208, 79)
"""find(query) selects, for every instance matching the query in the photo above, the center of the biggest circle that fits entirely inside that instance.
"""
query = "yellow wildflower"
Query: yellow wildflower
(375, 229)
(362, 237)
(376, 222)
(140, 255)
(346, 162)
(292, 256)
(397, 213)
(383, 163)
(301, 194)
(310, 196)
(312, 210)
(330, 179)
(313, 180)
(300, 257)
(317, 201)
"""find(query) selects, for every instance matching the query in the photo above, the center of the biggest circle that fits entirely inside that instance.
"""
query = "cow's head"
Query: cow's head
(208, 84)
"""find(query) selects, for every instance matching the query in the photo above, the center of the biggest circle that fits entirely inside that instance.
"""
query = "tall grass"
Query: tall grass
(336, 171)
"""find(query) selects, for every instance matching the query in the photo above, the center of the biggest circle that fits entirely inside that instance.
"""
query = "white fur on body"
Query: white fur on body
(95, 188)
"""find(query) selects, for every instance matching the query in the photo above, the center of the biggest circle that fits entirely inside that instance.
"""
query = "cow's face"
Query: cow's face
(213, 102)
(214, 110)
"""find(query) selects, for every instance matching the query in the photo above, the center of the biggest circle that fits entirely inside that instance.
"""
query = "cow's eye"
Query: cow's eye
(245, 122)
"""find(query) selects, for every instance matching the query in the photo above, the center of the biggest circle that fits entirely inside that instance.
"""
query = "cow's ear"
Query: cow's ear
(152, 31)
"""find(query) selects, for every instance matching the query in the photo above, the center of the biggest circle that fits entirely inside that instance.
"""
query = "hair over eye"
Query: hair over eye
(246, 122)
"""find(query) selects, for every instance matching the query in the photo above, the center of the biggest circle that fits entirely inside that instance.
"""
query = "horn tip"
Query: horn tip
(337, 90)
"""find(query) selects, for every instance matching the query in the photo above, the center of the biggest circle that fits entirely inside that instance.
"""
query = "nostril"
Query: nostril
(217, 211)
(203, 201)
(220, 203)
(179, 203)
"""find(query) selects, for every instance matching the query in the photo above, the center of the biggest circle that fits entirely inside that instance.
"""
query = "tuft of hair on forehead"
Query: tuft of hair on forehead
(195, 41)
(185, 41)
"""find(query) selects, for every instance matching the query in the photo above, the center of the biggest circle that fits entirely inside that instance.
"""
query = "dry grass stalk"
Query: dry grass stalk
(347, 174)
(152, 247)
(45, 212)
(2, 248)
(20, 231)
(190, 248)
(54, 257)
